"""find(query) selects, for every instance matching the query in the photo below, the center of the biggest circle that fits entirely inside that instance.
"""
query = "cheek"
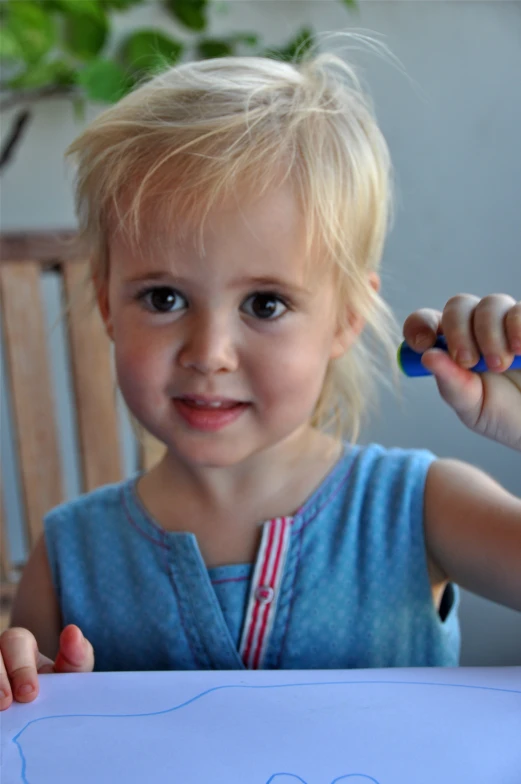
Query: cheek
(140, 367)
(293, 369)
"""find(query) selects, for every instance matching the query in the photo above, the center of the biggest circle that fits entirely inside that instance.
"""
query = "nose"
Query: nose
(209, 346)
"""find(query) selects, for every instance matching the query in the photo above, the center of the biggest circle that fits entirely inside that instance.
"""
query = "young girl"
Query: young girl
(235, 213)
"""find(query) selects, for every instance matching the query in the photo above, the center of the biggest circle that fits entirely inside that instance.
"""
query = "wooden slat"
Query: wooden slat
(94, 382)
(5, 557)
(44, 247)
(28, 371)
(7, 585)
(7, 594)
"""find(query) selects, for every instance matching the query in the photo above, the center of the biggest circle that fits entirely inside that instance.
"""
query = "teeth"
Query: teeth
(202, 404)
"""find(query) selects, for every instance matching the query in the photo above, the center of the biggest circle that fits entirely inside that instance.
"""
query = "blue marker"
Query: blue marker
(410, 361)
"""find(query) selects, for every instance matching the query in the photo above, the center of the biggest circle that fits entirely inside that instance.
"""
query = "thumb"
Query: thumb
(76, 653)
(460, 388)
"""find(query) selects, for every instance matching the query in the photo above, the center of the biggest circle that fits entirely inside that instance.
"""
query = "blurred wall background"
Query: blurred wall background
(452, 123)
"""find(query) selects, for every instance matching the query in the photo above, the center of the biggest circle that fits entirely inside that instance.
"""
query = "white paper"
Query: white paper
(399, 726)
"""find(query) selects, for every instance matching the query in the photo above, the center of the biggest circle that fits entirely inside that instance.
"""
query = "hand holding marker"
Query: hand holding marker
(411, 364)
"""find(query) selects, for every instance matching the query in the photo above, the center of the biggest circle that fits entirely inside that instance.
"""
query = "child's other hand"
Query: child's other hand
(488, 403)
(21, 662)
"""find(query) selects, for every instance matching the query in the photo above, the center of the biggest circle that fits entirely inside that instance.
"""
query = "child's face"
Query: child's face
(249, 327)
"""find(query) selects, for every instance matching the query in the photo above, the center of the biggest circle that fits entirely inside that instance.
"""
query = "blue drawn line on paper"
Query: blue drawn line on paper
(231, 686)
(335, 781)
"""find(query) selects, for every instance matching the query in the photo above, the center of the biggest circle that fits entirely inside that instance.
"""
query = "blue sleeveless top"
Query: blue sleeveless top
(350, 586)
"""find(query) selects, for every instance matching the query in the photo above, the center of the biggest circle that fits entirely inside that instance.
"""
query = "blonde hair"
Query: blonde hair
(194, 134)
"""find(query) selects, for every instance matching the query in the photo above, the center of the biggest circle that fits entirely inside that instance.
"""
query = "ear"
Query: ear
(349, 332)
(101, 287)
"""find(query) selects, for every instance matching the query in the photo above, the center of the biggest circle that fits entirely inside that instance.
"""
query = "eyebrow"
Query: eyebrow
(147, 276)
(244, 282)
(266, 280)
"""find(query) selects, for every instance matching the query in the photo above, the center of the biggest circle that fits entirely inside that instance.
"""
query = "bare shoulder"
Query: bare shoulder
(473, 531)
(36, 605)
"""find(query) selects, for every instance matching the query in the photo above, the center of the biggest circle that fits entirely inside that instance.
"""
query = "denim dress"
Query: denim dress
(342, 583)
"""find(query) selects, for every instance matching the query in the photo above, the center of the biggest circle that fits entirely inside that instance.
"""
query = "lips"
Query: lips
(208, 414)
(211, 403)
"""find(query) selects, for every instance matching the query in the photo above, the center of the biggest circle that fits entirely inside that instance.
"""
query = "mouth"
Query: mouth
(212, 403)
(209, 414)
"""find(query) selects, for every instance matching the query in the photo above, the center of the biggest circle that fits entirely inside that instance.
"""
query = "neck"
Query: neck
(267, 484)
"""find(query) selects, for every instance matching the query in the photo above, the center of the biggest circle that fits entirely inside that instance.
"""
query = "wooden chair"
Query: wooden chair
(24, 259)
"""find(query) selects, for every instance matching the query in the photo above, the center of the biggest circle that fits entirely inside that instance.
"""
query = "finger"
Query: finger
(44, 665)
(457, 325)
(460, 388)
(20, 651)
(6, 695)
(490, 330)
(513, 328)
(421, 328)
(76, 653)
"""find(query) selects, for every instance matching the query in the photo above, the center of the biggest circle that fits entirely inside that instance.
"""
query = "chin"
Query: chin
(206, 454)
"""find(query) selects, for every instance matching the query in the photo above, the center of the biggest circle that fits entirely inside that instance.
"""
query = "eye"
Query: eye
(163, 299)
(265, 305)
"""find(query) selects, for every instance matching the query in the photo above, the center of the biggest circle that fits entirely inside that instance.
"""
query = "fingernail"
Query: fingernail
(464, 357)
(493, 361)
(421, 337)
(3, 694)
(27, 688)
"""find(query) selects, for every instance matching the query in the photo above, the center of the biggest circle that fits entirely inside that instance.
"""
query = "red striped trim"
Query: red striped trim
(268, 573)
(246, 654)
(267, 607)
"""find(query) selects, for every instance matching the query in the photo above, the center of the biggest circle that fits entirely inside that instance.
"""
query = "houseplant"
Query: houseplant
(66, 49)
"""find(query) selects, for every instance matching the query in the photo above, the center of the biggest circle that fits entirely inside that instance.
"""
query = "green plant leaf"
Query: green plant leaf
(222, 47)
(214, 47)
(191, 13)
(32, 27)
(85, 34)
(118, 5)
(350, 3)
(147, 51)
(10, 48)
(250, 39)
(74, 7)
(104, 80)
(80, 6)
(296, 48)
(55, 72)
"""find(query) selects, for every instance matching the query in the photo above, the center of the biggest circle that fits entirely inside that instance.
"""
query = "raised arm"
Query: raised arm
(472, 524)
(473, 531)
